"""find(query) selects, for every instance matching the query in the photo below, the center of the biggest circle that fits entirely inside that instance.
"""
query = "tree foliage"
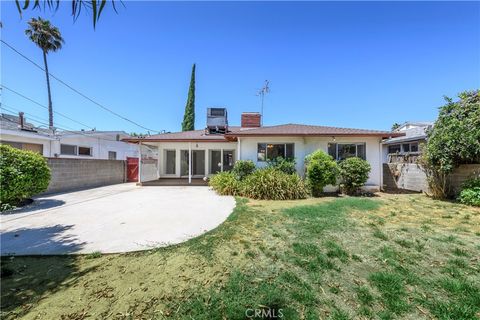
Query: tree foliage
(189, 116)
(285, 165)
(48, 38)
(322, 170)
(22, 174)
(455, 137)
(94, 6)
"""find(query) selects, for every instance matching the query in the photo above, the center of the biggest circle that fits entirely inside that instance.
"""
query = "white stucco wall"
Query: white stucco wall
(100, 147)
(178, 146)
(246, 149)
(305, 146)
(25, 137)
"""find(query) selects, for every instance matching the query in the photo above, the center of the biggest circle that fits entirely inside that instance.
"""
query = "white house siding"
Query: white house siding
(100, 147)
(305, 146)
(25, 137)
(178, 146)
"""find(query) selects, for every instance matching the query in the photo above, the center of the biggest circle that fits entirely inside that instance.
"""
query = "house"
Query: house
(201, 153)
(397, 148)
(17, 132)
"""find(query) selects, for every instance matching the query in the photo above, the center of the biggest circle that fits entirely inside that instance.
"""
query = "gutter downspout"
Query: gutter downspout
(239, 147)
(380, 146)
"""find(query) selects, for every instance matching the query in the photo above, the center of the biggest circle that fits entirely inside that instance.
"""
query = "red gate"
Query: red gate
(132, 169)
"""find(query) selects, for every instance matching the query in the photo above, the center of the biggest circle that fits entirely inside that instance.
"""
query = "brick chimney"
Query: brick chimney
(251, 120)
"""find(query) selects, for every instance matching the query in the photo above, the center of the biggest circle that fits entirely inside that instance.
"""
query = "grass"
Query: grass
(387, 257)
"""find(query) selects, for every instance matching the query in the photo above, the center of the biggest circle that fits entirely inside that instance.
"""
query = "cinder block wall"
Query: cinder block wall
(69, 174)
(410, 176)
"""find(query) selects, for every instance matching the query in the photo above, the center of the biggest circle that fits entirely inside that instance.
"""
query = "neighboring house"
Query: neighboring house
(200, 153)
(15, 131)
(396, 148)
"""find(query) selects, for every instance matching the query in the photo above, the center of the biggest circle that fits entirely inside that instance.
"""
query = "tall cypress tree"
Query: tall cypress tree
(189, 116)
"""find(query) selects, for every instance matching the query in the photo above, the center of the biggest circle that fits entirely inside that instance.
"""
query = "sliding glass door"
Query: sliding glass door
(198, 163)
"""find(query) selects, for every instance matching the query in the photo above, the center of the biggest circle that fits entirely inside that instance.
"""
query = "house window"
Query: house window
(271, 151)
(170, 161)
(406, 147)
(67, 149)
(394, 148)
(38, 148)
(84, 151)
(414, 147)
(112, 155)
(342, 151)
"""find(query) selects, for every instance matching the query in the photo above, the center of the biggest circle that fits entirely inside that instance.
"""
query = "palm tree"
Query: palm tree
(48, 38)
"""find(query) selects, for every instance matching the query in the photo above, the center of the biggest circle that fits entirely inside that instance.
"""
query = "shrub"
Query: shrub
(243, 168)
(272, 184)
(353, 173)
(285, 165)
(321, 170)
(470, 193)
(22, 174)
(225, 183)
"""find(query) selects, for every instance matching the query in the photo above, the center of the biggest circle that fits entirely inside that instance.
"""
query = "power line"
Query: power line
(43, 106)
(75, 90)
(2, 106)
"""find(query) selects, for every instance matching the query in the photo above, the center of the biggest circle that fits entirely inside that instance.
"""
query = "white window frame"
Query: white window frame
(349, 143)
(275, 143)
(85, 155)
(70, 145)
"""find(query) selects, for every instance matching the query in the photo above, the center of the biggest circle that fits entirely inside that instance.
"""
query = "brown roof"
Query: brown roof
(309, 130)
(185, 136)
(299, 130)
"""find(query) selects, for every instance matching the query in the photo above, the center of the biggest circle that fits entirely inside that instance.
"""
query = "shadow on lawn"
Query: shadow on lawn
(25, 280)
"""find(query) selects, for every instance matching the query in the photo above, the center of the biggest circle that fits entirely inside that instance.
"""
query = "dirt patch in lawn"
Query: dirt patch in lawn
(393, 256)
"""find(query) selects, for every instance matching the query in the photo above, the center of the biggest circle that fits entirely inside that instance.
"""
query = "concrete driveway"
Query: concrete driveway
(118, 218)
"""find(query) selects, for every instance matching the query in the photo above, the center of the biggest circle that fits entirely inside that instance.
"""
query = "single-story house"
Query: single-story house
(408, 144)
(17, 132)
(201, 153)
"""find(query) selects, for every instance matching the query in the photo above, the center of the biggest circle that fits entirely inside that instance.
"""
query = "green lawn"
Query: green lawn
(392, 256)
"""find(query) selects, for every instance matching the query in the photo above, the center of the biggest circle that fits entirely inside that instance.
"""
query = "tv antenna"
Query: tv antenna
(264, 90)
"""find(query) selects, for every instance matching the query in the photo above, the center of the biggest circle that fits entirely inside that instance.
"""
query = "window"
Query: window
(84, 151)
(68, 149)
(270, 151)
(170, 161)
(112, 155)
(394, 148)
(25, 146)
(414, 147)
(342, 151)
(406, 147)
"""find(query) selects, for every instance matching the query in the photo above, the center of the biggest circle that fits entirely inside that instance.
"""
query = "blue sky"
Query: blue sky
(348, 64)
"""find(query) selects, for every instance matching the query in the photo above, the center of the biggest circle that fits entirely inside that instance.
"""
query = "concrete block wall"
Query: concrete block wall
(410, 176)
(70, 174)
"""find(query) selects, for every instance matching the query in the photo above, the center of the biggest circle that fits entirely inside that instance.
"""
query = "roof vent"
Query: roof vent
(217, 121)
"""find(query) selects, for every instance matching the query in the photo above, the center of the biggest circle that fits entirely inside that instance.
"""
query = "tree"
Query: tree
(455, 136)
(453, 140)
(395, 126)
(95, 6)
(48, 38)
(189, 116)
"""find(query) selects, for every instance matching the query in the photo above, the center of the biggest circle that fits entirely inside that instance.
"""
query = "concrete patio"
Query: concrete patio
(118, 218)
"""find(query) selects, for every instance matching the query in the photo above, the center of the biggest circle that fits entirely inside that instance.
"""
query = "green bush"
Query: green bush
(353, 173)
(22, 175)
(285, 165)
(225, 183)
(321, 170)
(470, 193)
(272, 184)
(243, 168)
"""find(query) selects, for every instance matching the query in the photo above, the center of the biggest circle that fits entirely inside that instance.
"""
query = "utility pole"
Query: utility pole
(264, 90)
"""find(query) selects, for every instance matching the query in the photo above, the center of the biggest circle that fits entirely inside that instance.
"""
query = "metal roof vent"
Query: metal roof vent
(217, 121)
